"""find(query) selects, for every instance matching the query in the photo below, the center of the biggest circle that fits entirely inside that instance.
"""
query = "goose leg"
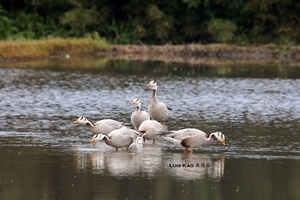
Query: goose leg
(185, 150)
(116, 149)
(153, 141)
(128, 149)
(191, 150)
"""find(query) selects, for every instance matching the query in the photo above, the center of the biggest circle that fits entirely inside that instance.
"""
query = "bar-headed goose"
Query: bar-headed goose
(157, 110)
(104, 126)
(149, 129)
(139, 140)
(119, 138)
(138, 116)
(191, 138)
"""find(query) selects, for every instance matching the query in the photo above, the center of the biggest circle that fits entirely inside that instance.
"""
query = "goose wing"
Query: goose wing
(184, 133)
(150, 129)
(144, 115)
(110, 122)
(105, 126)
(150, 125)
(119, 140)
(124, 131)
(158, 111)
(187, 135)
(138, 117)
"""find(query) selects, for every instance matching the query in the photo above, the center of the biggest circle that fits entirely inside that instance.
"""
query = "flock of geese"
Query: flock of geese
(148, 126)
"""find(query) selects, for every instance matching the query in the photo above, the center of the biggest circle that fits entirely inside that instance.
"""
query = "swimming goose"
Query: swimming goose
(150, 129)
(118, 138)
(191, 138)
(157, 110)
(138, 116)
(104, 126)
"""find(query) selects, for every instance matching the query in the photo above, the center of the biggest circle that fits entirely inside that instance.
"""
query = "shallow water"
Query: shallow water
(44, 155)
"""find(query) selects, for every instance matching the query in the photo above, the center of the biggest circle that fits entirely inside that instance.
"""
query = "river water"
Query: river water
(44, 155)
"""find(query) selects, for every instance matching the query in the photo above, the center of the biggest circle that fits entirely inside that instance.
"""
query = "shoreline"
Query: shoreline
(210, 54)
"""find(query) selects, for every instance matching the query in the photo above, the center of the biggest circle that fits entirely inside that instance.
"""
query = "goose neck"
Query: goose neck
(210, 138)
(138, 108)
(90, 123)
(154, 92)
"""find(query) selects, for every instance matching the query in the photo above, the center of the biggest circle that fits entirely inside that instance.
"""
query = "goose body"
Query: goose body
(150, 129)
(138, 116)
(104, 126)
(157, 110)
(191, 138)
(119, 138)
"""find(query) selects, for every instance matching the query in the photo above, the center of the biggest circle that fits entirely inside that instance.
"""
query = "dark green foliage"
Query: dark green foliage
(6, 25)
(154, 21)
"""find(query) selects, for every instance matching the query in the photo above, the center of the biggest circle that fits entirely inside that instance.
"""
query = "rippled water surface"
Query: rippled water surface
(44, 155)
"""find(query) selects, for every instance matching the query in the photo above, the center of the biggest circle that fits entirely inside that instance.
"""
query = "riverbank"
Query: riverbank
(14, 51)
(209, 54)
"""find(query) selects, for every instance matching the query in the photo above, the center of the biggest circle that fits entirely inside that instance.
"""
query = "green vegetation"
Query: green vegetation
(154, 22)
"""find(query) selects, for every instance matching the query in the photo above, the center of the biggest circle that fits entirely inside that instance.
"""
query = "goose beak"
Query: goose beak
(92, 140)
(223, 142)
(76, 122)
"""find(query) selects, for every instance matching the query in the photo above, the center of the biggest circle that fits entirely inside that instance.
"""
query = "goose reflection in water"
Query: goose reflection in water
(150, 160)
(146, 160)
(121, 164)
(98, 162)
(86, 156)
(194, 166)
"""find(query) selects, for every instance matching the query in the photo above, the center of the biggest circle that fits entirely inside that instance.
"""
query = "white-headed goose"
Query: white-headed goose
(138, 116)
(149, 129)
(157, 110)
(104, 126)
(192, 138)
(119, 138)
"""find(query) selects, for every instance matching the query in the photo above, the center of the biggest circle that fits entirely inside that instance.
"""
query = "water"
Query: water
(44, 155)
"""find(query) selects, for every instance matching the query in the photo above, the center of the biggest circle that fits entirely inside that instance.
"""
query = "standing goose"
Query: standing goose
(138, 116)
(104, 126)
(150, 129)
(191, 138)
(157, 110)
(119, 138)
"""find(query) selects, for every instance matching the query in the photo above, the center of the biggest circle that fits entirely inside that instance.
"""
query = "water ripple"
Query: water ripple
(259, 116)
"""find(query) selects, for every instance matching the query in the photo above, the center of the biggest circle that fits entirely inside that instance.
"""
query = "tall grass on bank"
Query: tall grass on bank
(45, 48)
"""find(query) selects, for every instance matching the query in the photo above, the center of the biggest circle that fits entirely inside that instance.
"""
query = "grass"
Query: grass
(45, 48)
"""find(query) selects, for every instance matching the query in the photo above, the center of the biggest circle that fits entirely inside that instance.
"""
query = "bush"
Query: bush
(221, 30)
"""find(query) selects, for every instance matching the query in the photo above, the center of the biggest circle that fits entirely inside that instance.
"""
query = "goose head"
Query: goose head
(139, 140)
(98, 137)
(219, 136)
(152, 85)
(136, 102)
(82, 120)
